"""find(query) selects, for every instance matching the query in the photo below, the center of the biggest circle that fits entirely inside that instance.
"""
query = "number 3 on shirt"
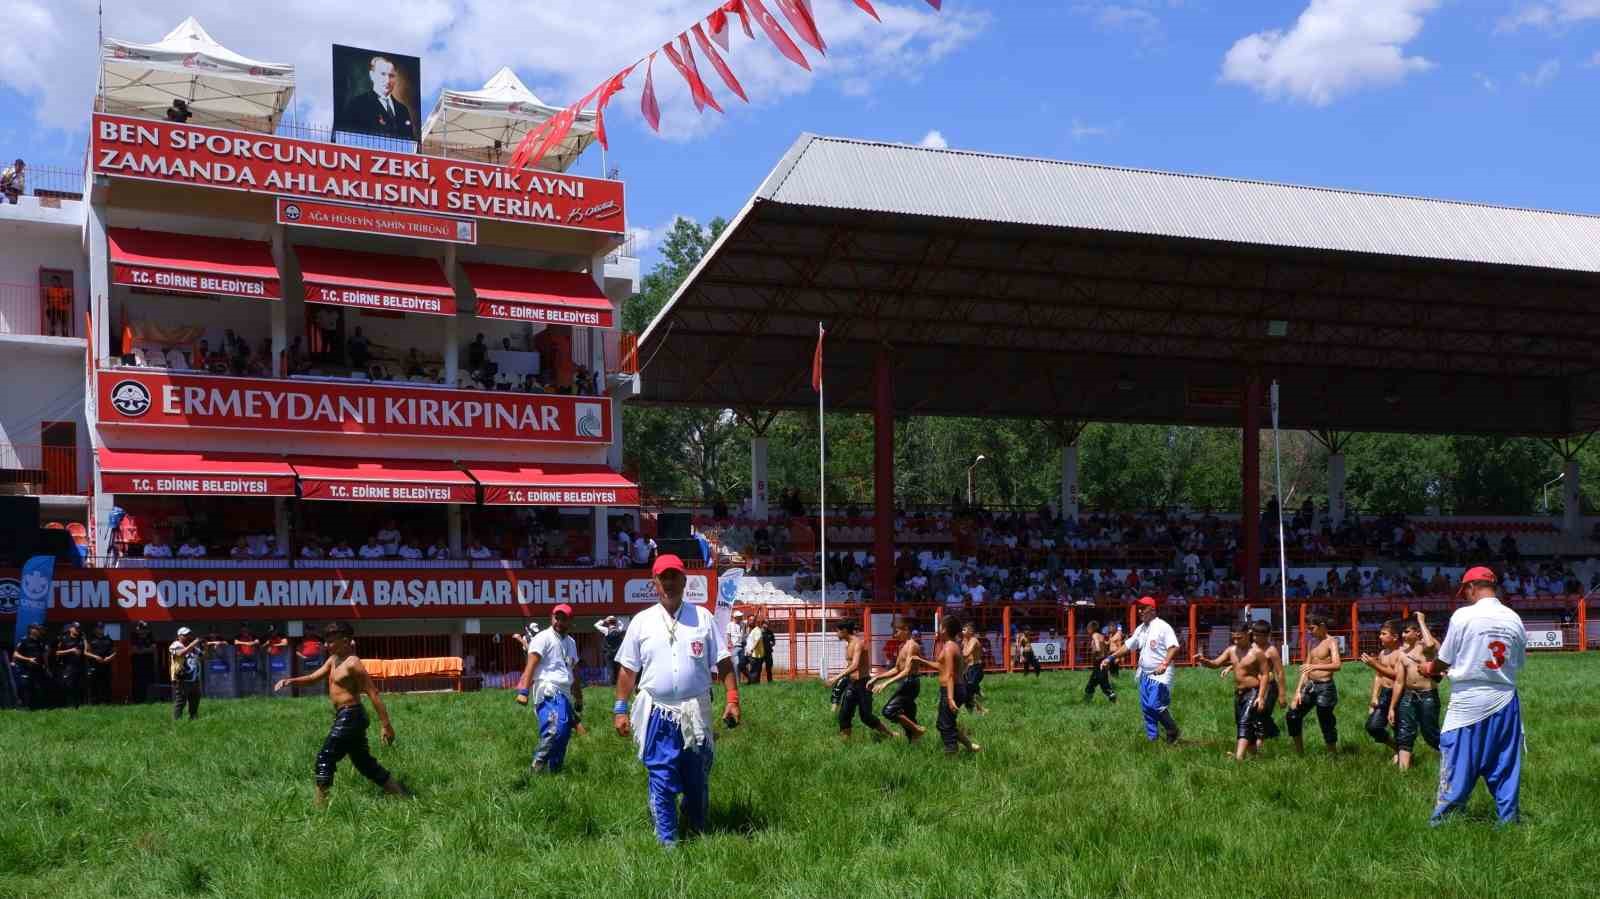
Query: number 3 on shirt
(1498, 650)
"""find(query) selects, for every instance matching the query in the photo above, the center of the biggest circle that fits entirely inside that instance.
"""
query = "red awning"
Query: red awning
(375, 281)
(522, 484)
(538, 295)
(382, 480)
(190, 263)
(194, 474)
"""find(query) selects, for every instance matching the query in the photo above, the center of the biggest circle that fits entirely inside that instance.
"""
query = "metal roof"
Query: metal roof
(1029, 288)
(838, 173)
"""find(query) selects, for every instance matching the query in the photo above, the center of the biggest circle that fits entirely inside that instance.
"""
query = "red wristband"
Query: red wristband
(733, 696)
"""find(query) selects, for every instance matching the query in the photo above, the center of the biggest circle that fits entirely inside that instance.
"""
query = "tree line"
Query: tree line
(704, 454)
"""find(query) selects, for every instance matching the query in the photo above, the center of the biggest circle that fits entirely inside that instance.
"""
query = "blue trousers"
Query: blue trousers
(675, 771)
(1491, 749)
(1154, 698)
(555, 729)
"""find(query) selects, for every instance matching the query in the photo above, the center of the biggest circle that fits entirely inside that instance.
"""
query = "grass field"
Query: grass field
(1065, 800)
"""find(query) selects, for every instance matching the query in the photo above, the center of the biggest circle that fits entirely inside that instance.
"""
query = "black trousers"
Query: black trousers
(1418, 713)
(185, 694)
(857, 700)
(99, 684)
(1378, 719)
(32, 686)
(1099, 677)
(144, 676)
(69, 687)
(974, 685)
(1030, 662)
(904, 702)
(947, 717)
(1323, 696)
(348, 737)
(765, 663)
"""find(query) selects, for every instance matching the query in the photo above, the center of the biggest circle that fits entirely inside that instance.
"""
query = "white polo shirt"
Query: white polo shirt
(1485, 648)
(558, 656)
(675, 659)
(1153, 642)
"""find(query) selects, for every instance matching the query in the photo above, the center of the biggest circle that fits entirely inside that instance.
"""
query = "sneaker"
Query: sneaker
(1172, 737)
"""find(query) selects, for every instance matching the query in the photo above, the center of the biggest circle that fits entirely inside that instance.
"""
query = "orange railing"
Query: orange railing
(22, 311)
(47, 469)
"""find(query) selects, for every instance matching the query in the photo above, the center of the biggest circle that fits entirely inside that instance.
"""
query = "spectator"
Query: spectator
(192, 549)
(13, 181)
(157, 548)
(414, 367)
(142, 654)
(342, 550)
(737, 632)
(643, 550)
(298, 363)
(477, 353)
(184, 653)
(311, 550)
(58, 307)
(478, 551)
(411, 551)
(612, 630)
(769, 642)
(179, 111)
(372, 550)
(245, 642)
(754, 647)
(240, 551)
(439, 550)
(67, 663)
(359, 350)
(389, 536)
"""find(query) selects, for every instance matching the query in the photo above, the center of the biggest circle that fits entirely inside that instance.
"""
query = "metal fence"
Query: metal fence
(46, 469)
(62, 182)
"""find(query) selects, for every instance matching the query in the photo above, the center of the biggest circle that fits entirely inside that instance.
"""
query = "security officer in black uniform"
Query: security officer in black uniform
(30, 668)
(142, 653)
(102, 650)
(69, 666)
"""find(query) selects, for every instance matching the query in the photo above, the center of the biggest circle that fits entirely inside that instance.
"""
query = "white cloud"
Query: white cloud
(1334, 48)
(1543, 75)
(1594, 60)
(1488, 84)
(1136, 17)
(1082, 130)
(934, 140)
(561, 48)
(1549, 15)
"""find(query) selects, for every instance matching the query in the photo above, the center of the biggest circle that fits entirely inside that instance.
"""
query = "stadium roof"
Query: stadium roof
(1019, 287)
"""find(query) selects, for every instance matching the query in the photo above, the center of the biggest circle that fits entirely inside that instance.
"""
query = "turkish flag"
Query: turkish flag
(866, 5)
(717, 63)
(684, 63)
(718, 20)
(798, 13)
(779, 37)
(737, 8)
(648, 107)
(611, 87)
(816, 360)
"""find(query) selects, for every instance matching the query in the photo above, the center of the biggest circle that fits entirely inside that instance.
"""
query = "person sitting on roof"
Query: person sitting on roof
(13, 181)
(179, 111)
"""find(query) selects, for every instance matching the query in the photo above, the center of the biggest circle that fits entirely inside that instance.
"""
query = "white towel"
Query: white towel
(692, 716)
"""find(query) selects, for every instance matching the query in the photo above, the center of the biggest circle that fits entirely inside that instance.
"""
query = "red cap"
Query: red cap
(563, 609)
(1148, 601)
(1479, 573)
(665, 563)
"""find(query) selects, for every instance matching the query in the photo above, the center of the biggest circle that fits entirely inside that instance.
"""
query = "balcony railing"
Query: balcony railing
(52, 182)
(629, 249)
(22, 311)
(32, 468)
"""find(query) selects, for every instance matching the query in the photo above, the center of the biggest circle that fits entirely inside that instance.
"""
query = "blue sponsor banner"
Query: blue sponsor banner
(34, 593)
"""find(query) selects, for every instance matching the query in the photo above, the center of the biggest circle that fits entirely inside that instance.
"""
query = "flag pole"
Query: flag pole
(1283, 555)
(822, 503)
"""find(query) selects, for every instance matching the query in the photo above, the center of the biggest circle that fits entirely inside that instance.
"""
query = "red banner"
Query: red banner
(378, 298)
(278, 594)
(543, 314)
(198, 485)
(172, 400)
(369, 220)
(175, 153)
(179, 281)
(560, 496)
(386, 492)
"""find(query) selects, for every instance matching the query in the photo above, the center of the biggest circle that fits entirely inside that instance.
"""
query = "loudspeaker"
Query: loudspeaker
(19, 528)
(686, 549)
(672, 526)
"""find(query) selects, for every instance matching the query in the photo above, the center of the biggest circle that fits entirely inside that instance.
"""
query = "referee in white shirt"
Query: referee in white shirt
(1157, 646)
(670, 652)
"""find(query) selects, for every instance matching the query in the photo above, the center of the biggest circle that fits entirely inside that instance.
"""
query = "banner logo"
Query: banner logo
(10, 595)
(589, 421)
(291, 212)
(130, 398)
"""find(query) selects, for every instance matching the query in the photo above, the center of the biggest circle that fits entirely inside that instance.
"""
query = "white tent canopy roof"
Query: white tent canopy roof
(221, 87)
(486, 124)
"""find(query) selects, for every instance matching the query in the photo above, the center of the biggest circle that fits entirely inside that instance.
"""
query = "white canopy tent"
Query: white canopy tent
(221, 87)
(486, 124)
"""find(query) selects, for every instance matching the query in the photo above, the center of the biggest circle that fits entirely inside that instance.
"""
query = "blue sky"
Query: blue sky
(1488, 101)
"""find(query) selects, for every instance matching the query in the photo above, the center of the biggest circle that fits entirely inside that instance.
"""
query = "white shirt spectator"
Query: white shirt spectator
(310, 551)
(558, 657)
(1191, 562)
(736, 633)
(439, 551)
(239, 552)
(1153, 642)
(342, 551)
(157, 551)
(371, 550)
(977, 593)
(674, 655)
(479, 551)
(1485, 648)
(641, 550)
(410, 551)
(389, 538)
(192, 550)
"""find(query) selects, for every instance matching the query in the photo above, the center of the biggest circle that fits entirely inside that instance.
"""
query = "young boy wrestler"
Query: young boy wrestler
(1385, 694)
(1417, 710)
(948, 662)
(1316, 687)
(1243, 662)
(1099, 648)
(902, 705)
(347, 681)
(972, 672)
(857, 669)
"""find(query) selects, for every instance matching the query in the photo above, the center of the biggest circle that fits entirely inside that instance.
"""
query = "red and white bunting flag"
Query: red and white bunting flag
(718, 64)
(775, 32)
(737, 8)
(561, 125)
(934, 3)
(684, 62)
(798, 12)
(816, 360)
(611, 87)
(866, 6)
(648, 107)
(718, 23)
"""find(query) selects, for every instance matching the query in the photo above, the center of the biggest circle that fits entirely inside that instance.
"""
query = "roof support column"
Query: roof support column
(883, 479)
(1572, 500)
(1069, 481)
(1250, 474)
(758, 478)
(1336, 489)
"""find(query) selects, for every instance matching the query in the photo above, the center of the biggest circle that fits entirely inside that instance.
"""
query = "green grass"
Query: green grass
(1065, 800)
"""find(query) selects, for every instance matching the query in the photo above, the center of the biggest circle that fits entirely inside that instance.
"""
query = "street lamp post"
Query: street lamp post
(974, 464)
(1545, 490)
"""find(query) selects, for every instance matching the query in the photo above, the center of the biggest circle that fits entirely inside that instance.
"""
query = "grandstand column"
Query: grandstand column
(100, 347)
(1250, 474)
(758, 478)
(883, 478)
(1335, 488)
(452, 523)
(1069, 481)
(1572, 500)
(280, 525)
(602, 540)
(452, 324)
(279, 313)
